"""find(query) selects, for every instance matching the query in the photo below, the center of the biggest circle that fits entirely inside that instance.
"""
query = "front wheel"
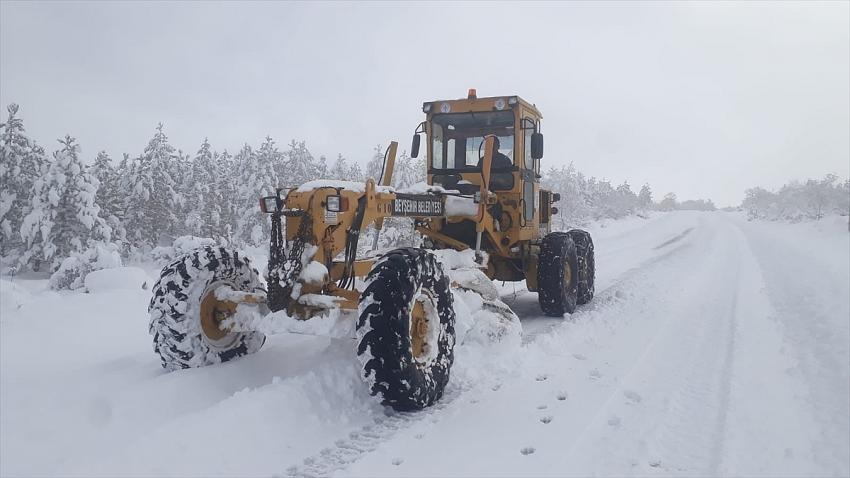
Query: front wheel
(185, 314)
(557, 275)
(406, 330)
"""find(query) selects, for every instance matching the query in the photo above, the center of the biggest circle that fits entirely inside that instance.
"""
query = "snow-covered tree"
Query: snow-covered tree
(339, 169)
(110, 195)
(697, 205)
(573, 209)
(625, 200)
(797, 201)
(355, 173)
(64, 217)
(408, 171)
(375, 164)
(322, 167)
(201, 195)
(153, 203)
(298, 165)
(645, 197)
(226, 174)
(256, 178)
(21, 163)
(669, 202)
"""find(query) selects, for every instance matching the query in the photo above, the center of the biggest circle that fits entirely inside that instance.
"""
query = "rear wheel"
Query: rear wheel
(185, 314)
(405, 330)
(586, 265)
(557, 275)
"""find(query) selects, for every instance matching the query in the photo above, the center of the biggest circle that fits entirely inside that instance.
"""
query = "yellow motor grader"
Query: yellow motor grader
(482, 198)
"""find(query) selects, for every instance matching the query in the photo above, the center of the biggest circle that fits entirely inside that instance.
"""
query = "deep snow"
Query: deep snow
(714, 346)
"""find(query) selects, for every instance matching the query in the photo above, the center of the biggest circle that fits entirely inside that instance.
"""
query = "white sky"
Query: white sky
(703, 99)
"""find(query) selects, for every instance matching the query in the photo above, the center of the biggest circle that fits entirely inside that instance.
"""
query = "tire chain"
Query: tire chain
(284, 269)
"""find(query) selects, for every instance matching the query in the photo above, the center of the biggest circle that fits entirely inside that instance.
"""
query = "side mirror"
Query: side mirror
(536, 145)
(414, 148)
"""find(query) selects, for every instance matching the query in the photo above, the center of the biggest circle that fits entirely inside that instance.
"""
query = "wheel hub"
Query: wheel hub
(418, 330)
(424, 328)
(213, 313)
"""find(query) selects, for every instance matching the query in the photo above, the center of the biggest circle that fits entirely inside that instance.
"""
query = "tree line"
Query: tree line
(56, 206)
(798, 200)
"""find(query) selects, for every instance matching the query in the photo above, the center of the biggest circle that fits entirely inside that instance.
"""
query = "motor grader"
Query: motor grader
(482, 198)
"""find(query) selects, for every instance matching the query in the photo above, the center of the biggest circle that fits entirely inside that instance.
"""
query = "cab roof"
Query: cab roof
(472, 103)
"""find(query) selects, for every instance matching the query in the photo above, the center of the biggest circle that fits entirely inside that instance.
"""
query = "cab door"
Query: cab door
(530, 180)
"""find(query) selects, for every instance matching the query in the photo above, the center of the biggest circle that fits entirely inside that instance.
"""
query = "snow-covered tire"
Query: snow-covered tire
(402, 379)
(586, 265)
(175, 309)
(557, 278)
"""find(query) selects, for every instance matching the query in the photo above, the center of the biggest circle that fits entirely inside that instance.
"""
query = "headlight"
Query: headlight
(333, 203)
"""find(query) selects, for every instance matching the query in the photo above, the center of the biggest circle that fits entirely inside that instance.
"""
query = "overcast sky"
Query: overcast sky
(703, 99)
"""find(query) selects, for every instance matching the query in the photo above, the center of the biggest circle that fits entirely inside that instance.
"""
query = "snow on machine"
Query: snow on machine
(483, 217)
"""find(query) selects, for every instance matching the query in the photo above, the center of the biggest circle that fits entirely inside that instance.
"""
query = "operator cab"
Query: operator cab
(455, 131)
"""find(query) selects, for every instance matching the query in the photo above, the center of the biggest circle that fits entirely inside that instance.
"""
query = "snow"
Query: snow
(461, 206)
(120, 278)
(12, 297)
(314, 272)
(334, 324)
(355, 186)
(423, 187)
(714, 346)
(318, 300)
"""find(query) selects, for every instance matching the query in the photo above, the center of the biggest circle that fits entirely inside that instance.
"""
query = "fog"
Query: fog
(702, 99)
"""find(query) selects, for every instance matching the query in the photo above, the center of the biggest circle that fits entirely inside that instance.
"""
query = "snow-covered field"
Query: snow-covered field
(715, 346)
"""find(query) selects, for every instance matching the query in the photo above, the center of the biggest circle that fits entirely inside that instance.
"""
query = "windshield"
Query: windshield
(456, 137)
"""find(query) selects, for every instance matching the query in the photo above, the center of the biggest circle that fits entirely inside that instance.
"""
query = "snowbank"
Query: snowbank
(481, 317)
(127, 278)
(73, 270)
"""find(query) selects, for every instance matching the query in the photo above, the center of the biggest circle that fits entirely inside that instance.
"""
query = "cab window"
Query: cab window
(456, 137)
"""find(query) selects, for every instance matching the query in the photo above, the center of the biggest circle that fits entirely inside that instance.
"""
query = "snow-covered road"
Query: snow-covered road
(714, 346)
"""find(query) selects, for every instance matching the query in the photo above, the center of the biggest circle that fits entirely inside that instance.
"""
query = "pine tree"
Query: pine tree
(257, 178)
(110, 197)
(340, 169)
(226, 177)
(64, 217)
(201, 198)
(152, 201)
(376, 164)
(299, 166)
(408, 171)
(322, 168)
(355, 173)
(181, 172)
(669, 203)
(21, 163)
(645, 196)
(574, 191)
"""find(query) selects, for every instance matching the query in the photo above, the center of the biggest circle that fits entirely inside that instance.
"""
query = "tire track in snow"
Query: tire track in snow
(690, 437)
(356, 444)
(688, 362)
(524, 302)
